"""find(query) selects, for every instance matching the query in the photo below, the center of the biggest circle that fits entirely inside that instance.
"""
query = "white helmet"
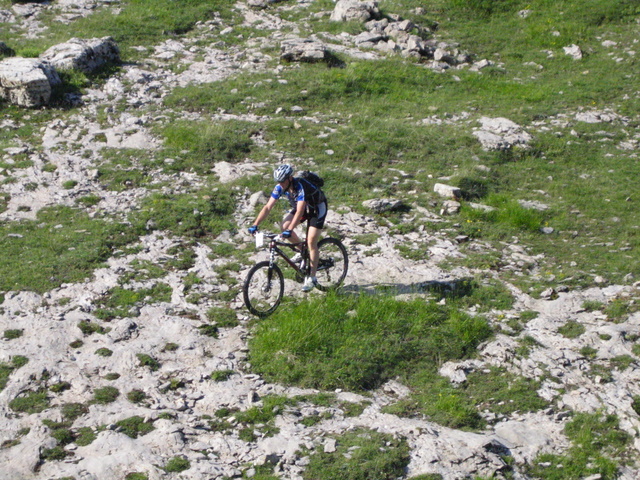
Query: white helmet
(283, 172)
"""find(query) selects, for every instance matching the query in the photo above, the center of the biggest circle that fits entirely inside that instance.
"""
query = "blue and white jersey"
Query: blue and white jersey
(303, 191)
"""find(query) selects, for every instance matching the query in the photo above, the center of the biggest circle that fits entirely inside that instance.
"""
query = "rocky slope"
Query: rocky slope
(180, 397)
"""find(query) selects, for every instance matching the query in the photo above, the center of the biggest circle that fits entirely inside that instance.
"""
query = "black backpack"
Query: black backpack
(312, 178)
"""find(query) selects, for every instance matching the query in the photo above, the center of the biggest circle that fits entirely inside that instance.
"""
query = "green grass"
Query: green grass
(136, 396)
(361, 455)
(147, 360)
(139, 22)
(62, 245)
(104, 395)
(496, 391)
(207, 144)
(7, 368)
(598, 446)
(30, 402)
(223, 317)
(119, 301)
(177, 464)
(207, 212)
(135, 426)
(221, 375)
(13, 333)
(572, 329)
(359, 343)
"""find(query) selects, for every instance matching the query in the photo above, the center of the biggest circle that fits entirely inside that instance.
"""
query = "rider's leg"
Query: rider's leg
(286, 221)
(313, 235)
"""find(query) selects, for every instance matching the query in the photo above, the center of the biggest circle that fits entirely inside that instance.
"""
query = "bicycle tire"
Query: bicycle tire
(263, 289)
(333, 264)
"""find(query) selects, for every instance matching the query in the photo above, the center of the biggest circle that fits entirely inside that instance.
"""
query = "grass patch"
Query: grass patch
(361, 455)
(223, 317)
(359, 343)
(598, 448)
(147, 360)
(105, 395)
(13, 333)
(121, 302)
(138, 22)
(572, 329)
(87, 328)
(135, 426)
(136, 396)
(208, 330)
(62, 246)
(221, 375)
(206, 212)
(30, 402)
(496, 391)
(136, 476)
(207, 144)
(177, 465)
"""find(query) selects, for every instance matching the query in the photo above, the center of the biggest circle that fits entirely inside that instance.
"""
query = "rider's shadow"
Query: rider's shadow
(457, 288)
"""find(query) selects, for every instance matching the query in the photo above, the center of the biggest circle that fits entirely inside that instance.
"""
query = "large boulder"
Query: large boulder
(355, 11)
(27, 82)
(85, 55)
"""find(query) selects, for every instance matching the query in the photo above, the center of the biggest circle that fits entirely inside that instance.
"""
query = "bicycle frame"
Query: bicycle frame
(275, 251)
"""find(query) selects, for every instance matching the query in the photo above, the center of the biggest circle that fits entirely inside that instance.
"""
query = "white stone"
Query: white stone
(27, 82)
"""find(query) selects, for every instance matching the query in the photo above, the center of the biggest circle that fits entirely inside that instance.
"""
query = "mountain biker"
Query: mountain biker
(308, 203)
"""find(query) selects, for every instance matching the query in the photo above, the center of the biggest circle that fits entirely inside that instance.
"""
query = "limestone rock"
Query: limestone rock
(501, 134)
(355, 11)
(303, 50)
(84, 55)
(448, 191)
(383, 204)
(573, 51)
(450, 207)
(27, 82)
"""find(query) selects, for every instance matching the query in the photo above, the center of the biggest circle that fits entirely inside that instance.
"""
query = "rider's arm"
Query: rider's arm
(265, 211)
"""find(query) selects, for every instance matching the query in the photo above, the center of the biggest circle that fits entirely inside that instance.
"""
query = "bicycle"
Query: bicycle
(263, 287)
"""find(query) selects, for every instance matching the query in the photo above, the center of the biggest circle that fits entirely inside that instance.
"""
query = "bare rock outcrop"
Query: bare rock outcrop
(27, 82)
(85, 55)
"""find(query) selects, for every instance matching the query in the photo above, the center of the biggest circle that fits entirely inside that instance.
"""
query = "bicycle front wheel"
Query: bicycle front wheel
(263, 289)
(332, 264)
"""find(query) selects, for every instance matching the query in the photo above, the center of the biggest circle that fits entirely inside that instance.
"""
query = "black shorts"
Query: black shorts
(316, 215)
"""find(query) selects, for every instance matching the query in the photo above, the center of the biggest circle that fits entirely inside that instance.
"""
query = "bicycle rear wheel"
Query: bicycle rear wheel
(332, 265)
(263, 289)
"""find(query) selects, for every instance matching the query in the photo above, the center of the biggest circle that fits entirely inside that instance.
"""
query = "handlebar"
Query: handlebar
(278, 239)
